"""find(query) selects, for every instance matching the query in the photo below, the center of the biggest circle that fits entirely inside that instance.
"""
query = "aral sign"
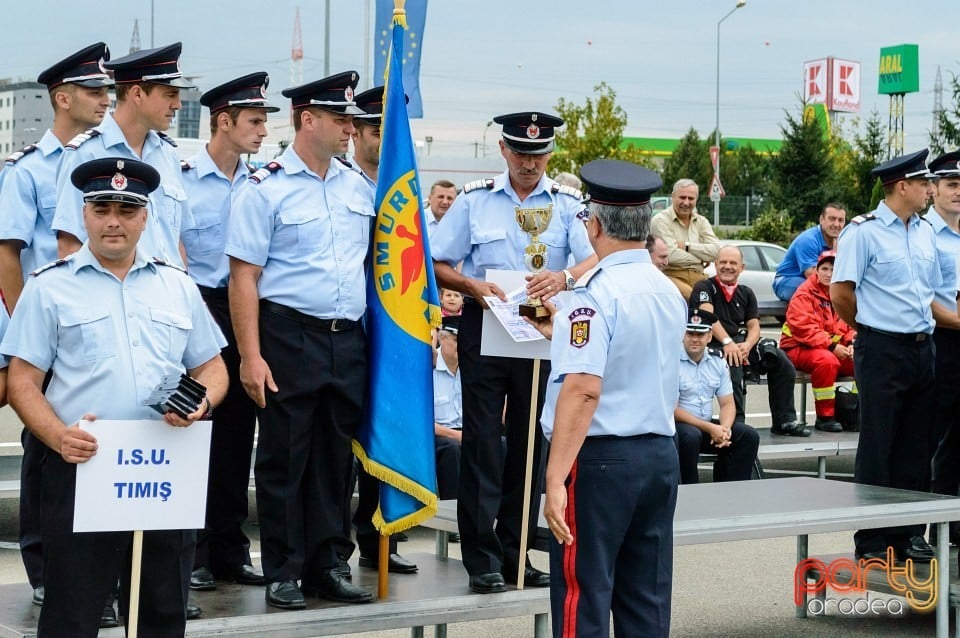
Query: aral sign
(899, 69)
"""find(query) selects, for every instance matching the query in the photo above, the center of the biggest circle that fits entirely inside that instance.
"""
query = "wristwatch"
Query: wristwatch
(726, 341)
(571, 282)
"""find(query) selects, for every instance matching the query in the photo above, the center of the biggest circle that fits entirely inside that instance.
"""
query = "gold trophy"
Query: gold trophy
(534, 221)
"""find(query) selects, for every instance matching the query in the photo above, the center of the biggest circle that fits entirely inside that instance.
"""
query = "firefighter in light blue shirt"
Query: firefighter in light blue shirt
(297, 242)
(481, 230)
(107, 324)
(238, 118)
(944, 216)
(148, 87)
(704, 375)
(78, 87)
(884, 282)
(612, 474)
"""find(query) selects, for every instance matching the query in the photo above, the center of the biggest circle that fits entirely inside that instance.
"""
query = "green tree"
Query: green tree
(746, 172)
(690, 159)
(806, 173)
(870, 151)
(949, 120)
(592, 131)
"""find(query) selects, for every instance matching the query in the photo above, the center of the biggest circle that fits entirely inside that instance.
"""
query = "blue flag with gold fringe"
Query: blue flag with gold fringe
(408, 53)
(395, 442)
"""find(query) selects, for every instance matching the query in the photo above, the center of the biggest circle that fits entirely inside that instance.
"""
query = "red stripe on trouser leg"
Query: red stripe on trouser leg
(570, 561)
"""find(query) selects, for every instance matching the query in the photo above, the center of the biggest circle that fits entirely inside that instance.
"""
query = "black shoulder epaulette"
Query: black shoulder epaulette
(75, 143)
(345, 162)
(185, 165)
(19, 155)
(563, 189)
(586, 277)
(164, 262)
(166, 138)
(866, 217)
(717, 352)
(265, 172)
(51, 265)
(478, 183)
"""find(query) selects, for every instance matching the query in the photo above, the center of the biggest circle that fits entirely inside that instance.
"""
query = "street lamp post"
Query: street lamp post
(716, 203)
(485, 129)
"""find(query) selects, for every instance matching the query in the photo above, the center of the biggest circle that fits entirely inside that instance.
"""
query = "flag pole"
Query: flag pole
(383, 577)
(528, 474)
(134, 604)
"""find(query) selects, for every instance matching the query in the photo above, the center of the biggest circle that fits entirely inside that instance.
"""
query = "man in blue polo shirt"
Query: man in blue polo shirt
(801, 258)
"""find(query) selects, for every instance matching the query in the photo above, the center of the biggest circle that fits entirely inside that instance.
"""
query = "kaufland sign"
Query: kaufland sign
(834, 83)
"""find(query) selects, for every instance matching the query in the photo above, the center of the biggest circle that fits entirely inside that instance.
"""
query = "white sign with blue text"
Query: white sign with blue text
(145, 475)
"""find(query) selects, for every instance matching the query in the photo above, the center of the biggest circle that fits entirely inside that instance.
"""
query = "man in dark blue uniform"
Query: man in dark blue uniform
(884, 281)
(612, 473)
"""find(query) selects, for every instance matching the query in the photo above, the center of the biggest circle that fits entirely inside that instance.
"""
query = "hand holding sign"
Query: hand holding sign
(76, 445)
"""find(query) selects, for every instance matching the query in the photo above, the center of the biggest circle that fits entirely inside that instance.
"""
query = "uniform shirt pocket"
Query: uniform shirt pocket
(170, 330)
(207, 235)
(172, 205)
(301, 229)
(490, 247)
(48, 205)
(360, 220)
(892, 267)
(89, 331)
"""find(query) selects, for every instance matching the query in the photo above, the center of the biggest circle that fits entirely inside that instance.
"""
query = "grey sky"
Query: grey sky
(495, 56)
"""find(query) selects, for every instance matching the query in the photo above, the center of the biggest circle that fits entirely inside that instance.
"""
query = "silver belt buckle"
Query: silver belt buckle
(337, 325)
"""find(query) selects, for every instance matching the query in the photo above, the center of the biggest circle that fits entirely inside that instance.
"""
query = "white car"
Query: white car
(760, 261)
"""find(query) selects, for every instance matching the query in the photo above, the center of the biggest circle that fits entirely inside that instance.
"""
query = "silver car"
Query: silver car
(760, 261)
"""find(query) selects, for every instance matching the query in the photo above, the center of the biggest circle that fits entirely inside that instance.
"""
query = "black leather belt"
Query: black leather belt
(213, 293)
(330, 325)
(633, 437)
(912, 337)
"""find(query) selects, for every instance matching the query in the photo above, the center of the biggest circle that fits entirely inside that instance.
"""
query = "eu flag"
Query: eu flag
(408, 52)
(395, 442)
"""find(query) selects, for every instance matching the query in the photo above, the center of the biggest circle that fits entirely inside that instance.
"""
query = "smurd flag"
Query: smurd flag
(395, 442)
(408, 52)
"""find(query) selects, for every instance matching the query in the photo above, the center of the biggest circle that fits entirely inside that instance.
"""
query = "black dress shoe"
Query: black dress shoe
(193, 612)
(791, 428)
(333, 586)
(201, 579)
(285, 595)
(108, 617)
(38, 596)
(828, 424)
(397, 564)
(916, 548)
(871, 554)
(488, 583)
(343, 567)
(247, 575)
(532, 577)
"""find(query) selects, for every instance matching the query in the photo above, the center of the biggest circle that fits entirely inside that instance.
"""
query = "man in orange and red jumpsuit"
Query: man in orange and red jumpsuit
(818, 341)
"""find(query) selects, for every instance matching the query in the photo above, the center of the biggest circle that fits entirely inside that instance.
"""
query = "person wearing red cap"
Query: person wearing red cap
(818, 341)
